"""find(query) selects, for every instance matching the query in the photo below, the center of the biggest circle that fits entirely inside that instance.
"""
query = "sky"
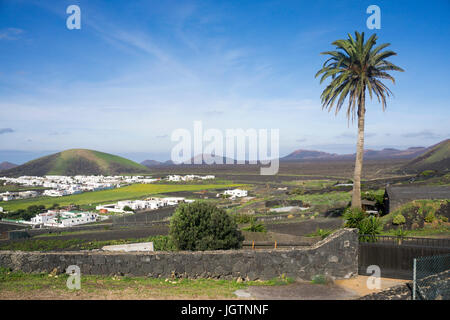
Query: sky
(138, 70)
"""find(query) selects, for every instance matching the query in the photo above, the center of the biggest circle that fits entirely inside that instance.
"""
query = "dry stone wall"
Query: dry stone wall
(335, 257)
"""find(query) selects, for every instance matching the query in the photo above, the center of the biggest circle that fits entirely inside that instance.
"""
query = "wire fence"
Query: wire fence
(431, 278)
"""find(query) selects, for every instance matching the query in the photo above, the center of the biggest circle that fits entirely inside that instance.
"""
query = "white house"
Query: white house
(236, 193)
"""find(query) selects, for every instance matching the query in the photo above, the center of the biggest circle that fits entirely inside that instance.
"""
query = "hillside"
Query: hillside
(436, 157)
(7, 165)
(77, 162)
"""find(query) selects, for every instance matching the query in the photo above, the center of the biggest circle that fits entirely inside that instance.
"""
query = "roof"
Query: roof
(418, 192)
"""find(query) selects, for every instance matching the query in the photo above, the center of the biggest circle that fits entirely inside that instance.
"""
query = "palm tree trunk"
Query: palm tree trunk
(356, 197)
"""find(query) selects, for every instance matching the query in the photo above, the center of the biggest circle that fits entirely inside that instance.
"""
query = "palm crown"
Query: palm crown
(355, 67)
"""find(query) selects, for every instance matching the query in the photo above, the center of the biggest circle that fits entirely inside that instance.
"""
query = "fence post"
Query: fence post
(414, 279)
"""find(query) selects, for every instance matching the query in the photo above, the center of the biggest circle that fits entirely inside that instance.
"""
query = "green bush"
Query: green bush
(430, 217)
(399, 219)
(400, 233)
(128, 209)
(353, 217)
(203, 226)
(369, 227)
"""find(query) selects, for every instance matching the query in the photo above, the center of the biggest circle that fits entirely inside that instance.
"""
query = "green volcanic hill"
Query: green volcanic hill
(437, 158)
(77, 162)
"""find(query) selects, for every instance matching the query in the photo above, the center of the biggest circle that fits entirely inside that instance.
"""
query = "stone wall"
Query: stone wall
(336, 257)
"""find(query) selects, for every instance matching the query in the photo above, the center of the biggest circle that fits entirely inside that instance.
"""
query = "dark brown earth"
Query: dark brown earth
(305, 227)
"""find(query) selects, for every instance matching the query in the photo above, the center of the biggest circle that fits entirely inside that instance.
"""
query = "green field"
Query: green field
(135, 191)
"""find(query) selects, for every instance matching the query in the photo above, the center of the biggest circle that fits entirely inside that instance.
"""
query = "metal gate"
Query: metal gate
(395, 255)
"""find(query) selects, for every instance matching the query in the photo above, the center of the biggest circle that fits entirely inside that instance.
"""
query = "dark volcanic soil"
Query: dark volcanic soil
(305, 227)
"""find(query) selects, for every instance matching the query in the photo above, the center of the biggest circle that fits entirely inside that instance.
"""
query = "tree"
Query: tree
(356, 67)
(203, 226)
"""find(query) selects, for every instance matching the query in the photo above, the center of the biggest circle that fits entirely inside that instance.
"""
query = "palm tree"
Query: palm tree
(356, 66)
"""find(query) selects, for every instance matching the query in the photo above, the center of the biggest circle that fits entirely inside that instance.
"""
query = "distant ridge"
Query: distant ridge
(437, 157)
(77, 162)
(5, 165)
(369, 154)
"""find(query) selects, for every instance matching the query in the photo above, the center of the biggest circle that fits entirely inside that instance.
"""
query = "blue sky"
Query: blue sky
(137, 70)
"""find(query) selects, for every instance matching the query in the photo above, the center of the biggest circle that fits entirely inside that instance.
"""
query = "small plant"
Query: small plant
(323, 233)
(255, 227)
(401, 233)
(319, 279)
(430, 217)
(399, 219)
(369, 228)
(444, 219)
(353, 217)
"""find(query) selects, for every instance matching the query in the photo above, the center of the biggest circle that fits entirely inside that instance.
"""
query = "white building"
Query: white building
(236, 193)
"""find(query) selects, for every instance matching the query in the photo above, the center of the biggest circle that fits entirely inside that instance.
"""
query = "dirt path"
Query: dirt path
(339, 290)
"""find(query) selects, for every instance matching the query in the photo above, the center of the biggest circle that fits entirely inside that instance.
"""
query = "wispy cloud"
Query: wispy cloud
(425, 134)
(6, 130)
(10, 33)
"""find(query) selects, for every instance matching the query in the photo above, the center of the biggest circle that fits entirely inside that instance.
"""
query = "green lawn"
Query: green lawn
(135, 191)
(330, 198)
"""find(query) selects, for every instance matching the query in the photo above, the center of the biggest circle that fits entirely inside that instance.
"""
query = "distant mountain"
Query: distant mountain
(151, 163)
(307, 155)
(77, 162)
(369, 154)
(7, 165)
(436, 157)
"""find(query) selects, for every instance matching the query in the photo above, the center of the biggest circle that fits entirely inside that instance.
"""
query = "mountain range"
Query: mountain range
(91, 162)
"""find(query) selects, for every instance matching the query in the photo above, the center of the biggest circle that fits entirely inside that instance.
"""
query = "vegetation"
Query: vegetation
(415, 213)
(368, 226)
(399, 219)
(255, 227)
(203, 226)
(323, 233)
(356, 66)
(20, 283)
(353, 217)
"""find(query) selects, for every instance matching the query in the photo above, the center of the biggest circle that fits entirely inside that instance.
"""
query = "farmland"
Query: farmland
(134, 191)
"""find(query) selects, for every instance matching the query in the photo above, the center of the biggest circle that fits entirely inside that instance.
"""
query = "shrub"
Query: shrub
(127, 208)
(430, 217)
(444, 219)
(255, 227)
(399, 219)
(203, 226)
(400, 233)
(369, 227)
(353, 217)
